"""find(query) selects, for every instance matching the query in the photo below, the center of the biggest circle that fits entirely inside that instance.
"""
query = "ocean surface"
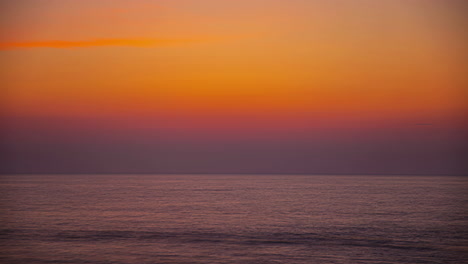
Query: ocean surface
(233, 219)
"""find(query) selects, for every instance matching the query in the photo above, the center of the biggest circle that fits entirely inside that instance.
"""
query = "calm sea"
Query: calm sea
(233, 219)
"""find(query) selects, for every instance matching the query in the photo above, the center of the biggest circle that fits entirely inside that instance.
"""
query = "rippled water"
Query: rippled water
(233, 219)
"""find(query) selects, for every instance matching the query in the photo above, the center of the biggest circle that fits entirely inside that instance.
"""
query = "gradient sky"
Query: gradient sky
(233, 86)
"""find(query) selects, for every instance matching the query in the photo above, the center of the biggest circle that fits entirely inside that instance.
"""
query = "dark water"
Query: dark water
(233, 219)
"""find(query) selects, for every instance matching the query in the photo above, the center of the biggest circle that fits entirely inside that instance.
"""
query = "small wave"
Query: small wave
(258, 238)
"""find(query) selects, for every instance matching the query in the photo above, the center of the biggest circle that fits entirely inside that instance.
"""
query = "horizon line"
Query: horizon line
(239, 174)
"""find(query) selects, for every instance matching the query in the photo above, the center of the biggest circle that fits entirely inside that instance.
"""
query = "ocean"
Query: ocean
(233, 219)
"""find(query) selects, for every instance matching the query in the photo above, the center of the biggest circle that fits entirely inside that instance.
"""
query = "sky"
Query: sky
(233, 86)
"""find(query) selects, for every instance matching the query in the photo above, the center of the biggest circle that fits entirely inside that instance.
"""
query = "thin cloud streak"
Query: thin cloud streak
(100, 43)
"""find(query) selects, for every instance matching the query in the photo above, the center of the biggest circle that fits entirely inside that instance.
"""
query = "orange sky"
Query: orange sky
(232, 67)
(395, 57)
